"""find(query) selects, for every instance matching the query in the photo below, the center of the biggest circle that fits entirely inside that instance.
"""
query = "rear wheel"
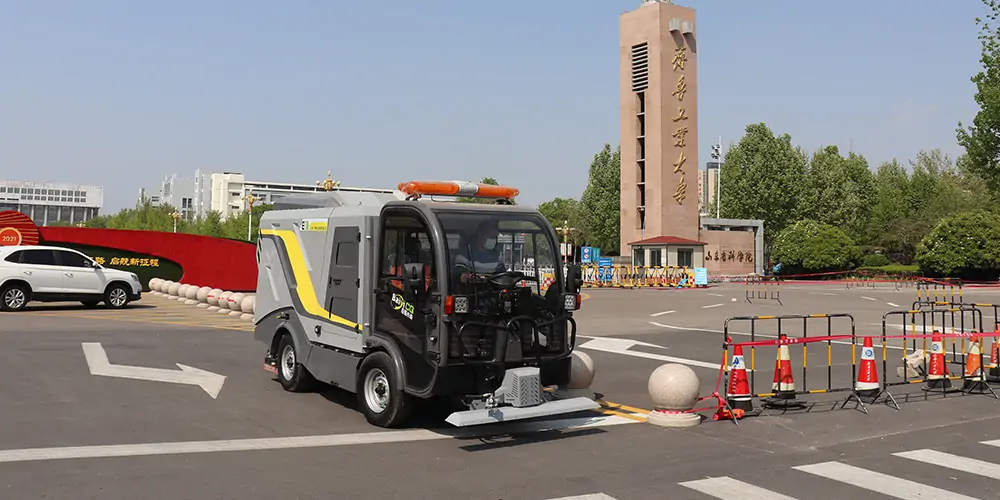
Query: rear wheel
(293, 376)
(382, 402)
(14, 297)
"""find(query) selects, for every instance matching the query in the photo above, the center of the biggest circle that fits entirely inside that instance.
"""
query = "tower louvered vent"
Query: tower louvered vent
(640, 67)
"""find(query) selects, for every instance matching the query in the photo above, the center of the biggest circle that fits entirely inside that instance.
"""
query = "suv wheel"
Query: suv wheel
(116, 296)
(14, 297)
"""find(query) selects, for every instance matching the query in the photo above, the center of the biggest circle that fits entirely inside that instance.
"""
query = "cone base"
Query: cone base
(939, 384)
(978, 386)
(784, 400)
(866, 393)
(741, 404)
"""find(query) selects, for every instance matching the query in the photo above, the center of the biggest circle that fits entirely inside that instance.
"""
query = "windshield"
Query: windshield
(490, 243)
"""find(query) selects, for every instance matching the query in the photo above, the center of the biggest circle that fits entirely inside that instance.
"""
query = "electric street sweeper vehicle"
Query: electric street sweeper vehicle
(398, 297)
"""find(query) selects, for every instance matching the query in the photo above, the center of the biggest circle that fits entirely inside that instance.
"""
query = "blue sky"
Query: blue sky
(121, 93)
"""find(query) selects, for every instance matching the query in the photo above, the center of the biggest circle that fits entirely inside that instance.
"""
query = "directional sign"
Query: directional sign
(97, 361)
(622, 346)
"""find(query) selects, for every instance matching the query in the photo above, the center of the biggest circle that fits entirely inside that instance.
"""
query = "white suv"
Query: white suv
(53, 274)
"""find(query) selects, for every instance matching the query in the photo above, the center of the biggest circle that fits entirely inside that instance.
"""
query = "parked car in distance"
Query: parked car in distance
(54, 274)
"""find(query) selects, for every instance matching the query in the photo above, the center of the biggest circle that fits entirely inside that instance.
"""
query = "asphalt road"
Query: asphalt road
(70, 434)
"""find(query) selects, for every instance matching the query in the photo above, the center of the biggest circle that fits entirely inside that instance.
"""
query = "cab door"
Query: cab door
(410, 320)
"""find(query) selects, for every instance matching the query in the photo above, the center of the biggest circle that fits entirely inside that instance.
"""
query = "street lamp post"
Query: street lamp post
(329, 183)
(717, 156)
(250, 198)
(176, 216)
(565, 231)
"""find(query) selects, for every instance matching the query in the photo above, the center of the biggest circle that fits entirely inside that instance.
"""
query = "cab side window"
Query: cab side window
(406, 241)
(72, 259)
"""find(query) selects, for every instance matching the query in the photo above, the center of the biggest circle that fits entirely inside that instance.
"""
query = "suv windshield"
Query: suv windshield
(491, 243)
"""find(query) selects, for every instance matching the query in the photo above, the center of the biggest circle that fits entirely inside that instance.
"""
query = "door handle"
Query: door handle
(69, 274)
(28, 273)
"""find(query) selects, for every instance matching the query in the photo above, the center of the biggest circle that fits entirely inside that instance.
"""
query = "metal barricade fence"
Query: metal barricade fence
(759, 287)
(938, 291)
(781, 322)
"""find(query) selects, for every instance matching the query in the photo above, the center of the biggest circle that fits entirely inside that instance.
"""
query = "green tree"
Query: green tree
(981, 139)
(838, 191)
(965, 244)
(762, 178)
(600, 205)
(809, 246)
(560, 210)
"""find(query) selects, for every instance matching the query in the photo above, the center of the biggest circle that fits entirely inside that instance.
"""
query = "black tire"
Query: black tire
(383, 403)
(117, 296)
(293, 376)
(14, 296)
(90, 303)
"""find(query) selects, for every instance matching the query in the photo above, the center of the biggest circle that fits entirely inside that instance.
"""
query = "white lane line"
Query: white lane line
(820, 293)
(711, 306)
(766, 336)
(890, 304)
(875, 481)
(662, 313)
(716, 294)
(727, 487)
(592, 496)
(867, 298)
(964, 464)
(131, 450)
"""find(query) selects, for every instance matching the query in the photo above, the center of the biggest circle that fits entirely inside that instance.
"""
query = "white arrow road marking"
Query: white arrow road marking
(867, 298)
(891, 304)
(621, 346)
(711, 306)
(662, 313)
(97, 361)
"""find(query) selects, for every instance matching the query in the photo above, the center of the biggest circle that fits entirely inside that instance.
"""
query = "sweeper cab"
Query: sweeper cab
(399, 296)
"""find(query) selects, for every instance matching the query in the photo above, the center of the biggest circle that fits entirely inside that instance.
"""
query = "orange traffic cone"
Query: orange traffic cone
(973, 378)
(937, 373)
(784, 385)
(867, 385)
(994, 374)
(738, 395)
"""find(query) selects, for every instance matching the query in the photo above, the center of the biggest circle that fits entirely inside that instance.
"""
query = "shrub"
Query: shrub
(963, 245)
(875, 260)
(808, 246)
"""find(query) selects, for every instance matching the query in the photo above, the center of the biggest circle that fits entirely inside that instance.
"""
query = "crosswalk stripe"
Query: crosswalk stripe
(878, 482)
(727, 487)
(965, 464)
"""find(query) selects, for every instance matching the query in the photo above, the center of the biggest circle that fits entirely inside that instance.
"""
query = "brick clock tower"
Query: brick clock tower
(659, 135)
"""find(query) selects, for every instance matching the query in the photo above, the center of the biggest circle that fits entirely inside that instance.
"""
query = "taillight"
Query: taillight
(449, 305)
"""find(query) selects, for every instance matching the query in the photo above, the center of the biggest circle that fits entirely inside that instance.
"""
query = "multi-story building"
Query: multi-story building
(49, 203)
(186, 194)
(227, 192)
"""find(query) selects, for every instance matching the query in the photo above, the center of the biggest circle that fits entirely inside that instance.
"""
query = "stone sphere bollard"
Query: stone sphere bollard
(673, 388)
(235, 302)
(182, 292)
(213, 299)
(172, 289)
(152, 285)
(247, 307)
(202, 296)
(164, 287)
(223, 299)
(581, 375)
(192, 295)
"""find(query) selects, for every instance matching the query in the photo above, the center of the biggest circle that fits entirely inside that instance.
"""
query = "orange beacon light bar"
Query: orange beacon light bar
(457, 188)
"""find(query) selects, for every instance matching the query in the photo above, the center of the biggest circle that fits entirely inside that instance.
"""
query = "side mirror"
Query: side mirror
(413, 280)
(574, 278)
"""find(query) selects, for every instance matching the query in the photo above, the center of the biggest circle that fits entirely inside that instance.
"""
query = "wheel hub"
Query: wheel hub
(288, 362)
(14, 298)
(377, 390)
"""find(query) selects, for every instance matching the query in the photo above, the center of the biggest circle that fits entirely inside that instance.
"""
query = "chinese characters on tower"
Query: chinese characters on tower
(127, 261)
(680, 122)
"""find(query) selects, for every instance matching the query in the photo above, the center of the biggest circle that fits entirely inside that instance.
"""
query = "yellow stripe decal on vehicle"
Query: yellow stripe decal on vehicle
(304, 287)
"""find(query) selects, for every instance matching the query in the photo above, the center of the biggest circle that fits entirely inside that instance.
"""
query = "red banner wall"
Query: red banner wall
(205, 261)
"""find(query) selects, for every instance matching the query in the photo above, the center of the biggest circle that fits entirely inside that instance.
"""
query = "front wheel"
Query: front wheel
(382, 402)
(117, 296)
